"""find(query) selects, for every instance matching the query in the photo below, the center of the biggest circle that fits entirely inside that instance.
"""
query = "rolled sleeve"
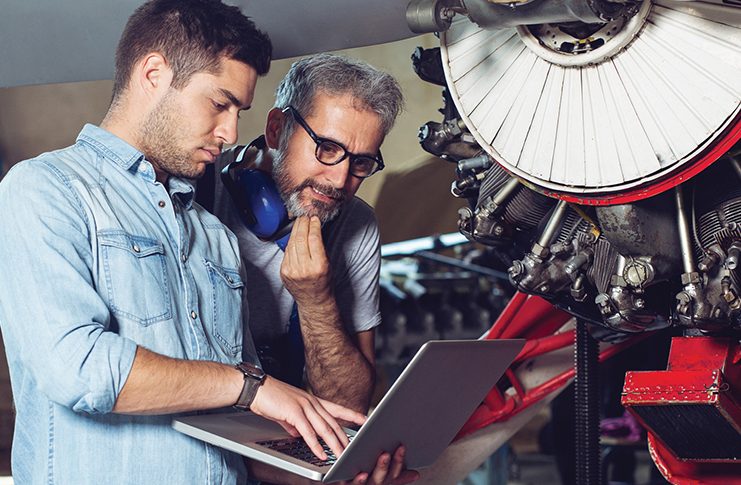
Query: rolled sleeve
(51, 313)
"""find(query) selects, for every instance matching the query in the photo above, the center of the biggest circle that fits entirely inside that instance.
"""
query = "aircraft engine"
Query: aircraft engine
(595, 145)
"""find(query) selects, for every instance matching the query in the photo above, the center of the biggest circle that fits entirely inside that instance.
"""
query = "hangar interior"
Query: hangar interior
(576, 183)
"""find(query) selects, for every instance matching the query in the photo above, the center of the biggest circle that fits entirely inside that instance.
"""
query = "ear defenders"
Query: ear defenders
(257, 198)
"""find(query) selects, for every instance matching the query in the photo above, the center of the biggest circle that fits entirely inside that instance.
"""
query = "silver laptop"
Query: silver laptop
(424, 410)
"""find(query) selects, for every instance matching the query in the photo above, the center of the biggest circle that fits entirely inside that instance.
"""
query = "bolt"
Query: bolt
(603, 303)
(690, 278)
(734, 252)
(516, 269)
(635, 274)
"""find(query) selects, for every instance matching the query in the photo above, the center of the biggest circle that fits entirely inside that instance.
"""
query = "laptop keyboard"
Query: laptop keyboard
(297, 448)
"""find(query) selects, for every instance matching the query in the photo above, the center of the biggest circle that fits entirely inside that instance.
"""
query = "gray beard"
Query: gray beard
(291, 193)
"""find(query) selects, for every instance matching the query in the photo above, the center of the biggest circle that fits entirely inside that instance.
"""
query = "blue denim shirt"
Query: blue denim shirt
(97, 258)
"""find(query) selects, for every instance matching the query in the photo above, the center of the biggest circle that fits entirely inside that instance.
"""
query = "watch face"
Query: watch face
(251, 370)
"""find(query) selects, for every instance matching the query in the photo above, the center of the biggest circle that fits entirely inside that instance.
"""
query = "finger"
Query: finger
(299, 235)
(334, 425)
(291, 265)
(315, 242)
(397, 462)
(380, 472)
(309, 435)
(343, 413)
(360, 479)
(325, 431)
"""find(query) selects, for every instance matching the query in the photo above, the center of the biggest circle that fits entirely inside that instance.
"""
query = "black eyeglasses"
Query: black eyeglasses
(330, 152)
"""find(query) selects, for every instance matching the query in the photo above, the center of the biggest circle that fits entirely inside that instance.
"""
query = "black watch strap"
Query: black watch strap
(253, 379)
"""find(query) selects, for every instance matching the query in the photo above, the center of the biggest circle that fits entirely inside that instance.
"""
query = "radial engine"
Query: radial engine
(597, 152)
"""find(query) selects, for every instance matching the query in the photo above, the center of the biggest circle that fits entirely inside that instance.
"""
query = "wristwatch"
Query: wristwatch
(253, 379)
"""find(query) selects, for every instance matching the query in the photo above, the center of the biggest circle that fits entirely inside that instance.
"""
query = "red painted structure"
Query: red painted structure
(532, 318)
(702, 370)
(701, 392)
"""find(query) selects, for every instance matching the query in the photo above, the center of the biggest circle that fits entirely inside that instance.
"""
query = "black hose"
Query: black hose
(586, 400)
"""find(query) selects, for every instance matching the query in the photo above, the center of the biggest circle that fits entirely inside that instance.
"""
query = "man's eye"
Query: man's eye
(218, 106)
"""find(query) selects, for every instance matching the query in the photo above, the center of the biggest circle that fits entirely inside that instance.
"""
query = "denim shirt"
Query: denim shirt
(97, 258)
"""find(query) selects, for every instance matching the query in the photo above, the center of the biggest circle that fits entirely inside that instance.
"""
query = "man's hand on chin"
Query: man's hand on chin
(305, 269)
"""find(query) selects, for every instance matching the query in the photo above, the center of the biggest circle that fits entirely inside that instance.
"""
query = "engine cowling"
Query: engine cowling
(600, 113)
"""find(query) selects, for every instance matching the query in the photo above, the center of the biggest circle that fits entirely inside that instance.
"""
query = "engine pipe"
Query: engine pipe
(480, 162)
(685, 241)
(553, 224)
(505, 192)
(435, 15)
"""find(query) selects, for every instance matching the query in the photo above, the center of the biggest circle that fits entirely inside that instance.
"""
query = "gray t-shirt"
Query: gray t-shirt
(353, 247)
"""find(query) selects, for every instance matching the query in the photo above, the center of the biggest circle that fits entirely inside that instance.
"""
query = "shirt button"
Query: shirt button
(183, 257)
(161, 203)
(193, 315)
(135, 248)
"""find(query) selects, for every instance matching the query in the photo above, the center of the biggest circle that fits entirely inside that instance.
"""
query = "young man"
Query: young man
(121, 297)
(322, 139)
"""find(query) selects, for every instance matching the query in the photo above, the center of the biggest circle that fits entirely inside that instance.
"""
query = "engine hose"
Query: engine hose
(586, 402)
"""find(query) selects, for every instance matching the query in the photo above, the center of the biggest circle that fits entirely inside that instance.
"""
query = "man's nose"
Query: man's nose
(226, 129)
(337, 175)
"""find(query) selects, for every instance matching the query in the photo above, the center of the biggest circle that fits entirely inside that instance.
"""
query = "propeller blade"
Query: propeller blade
(48, 41)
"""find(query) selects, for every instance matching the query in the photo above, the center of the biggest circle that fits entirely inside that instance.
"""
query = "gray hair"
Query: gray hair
(332, 74)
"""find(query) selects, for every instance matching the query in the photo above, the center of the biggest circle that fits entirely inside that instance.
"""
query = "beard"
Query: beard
(162, 139)
(291, 193)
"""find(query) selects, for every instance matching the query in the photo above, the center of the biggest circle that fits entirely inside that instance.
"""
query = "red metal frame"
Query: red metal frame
(536, 320)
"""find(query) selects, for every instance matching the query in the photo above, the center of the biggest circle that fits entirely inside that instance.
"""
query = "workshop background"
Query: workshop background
(412, 200)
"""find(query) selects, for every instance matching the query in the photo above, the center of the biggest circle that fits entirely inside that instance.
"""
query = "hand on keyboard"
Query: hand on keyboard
(302, 414)
(297, 448)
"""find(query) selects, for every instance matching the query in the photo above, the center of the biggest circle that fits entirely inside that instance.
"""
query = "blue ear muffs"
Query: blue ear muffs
(257, 199)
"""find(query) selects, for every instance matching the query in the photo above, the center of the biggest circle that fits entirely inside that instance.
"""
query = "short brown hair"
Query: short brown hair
(193, 35)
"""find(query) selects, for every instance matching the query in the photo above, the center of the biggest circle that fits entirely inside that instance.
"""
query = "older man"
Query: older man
(313, 300)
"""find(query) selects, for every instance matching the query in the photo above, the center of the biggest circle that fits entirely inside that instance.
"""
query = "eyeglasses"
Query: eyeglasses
(330, 152)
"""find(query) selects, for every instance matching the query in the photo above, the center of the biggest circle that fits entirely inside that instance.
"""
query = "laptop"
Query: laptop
(424, 410)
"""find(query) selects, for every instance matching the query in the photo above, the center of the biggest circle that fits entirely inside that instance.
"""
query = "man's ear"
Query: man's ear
(274, 127)
(154, 75)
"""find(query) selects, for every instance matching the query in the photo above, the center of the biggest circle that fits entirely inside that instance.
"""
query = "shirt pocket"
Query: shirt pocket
(135, 277)
(226, 309)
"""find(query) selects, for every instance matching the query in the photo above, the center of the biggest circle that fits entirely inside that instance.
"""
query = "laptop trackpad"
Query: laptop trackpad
(251, 427)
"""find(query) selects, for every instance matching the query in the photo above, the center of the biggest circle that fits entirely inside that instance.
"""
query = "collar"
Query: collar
(182, 189)
(111, 146)
(129, 158)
